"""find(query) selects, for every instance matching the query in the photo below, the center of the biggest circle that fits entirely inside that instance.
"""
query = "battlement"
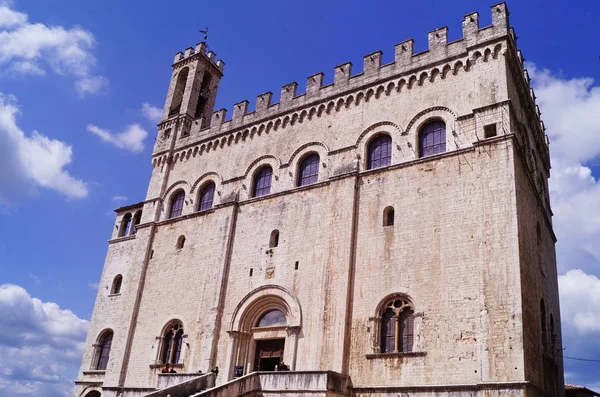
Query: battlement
(441, 57)
(192, 53)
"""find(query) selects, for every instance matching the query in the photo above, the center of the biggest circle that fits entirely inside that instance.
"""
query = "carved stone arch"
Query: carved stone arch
(411, 81)
(181, 184)
(252, 132)
(320, 110)
(312, 112)
(245, 135)
(176, 157)
(391, 297)
(422, 78)
(172, 321)
(286, 121)
(349, 101)
(154, 162)
(487, 54)
(380, 90)
(202, 148)
(208, 146)
(376, 126)
(201, 181)
(468, 65)
(255, 303)
(261, 129)
(369, 94)
(303, 115)
(401, 84)
(330, 107)
(195, 151)
(457, 66)
(497, 50)
(252, 167)
(269, 126)
(427, 111)
(339, 104)
(433, 74)
(223, 142)
(476, 56)
(277, 124)
(307, 145)
(359, 96)
(91, 391)
(189, 154)
(446, 70)
(294, 119)
(230, 140)
(390, 88)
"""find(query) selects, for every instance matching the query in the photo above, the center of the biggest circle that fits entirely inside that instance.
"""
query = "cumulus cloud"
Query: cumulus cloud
(131, 139)
(26, 46)
(570, 112)
(28, 162)
(39, 343)
(119, 199)
(152, 113)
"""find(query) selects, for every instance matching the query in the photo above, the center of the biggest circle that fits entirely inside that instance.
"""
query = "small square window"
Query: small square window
(489, 131)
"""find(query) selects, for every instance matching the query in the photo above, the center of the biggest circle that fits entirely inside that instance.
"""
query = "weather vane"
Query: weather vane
(205, 33)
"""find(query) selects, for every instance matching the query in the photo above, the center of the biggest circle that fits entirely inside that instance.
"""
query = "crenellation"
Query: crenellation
(212, 57)
(404, 52)
(470, 27)
(288, 93)
(263, 101)
(188, 52)
(178, 57)
(240, 109)
(314, 83)
(500, 16)
(342, 73)
(372, 62)
(217, 119)
(201, 48)
(438, 40)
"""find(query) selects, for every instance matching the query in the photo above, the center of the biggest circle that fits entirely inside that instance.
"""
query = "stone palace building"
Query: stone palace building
(388, 234)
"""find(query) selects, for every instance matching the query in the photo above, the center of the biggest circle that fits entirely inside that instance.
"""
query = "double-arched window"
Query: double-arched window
(172, 341)
(176, 207)
(309, 170)
(206, 197)
(432, 138)
(379, 152)
(103, 350)
(397, 326)
(262, 181)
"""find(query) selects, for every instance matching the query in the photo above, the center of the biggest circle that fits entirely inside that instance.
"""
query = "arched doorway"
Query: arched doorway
(93, 393)
(264, 331)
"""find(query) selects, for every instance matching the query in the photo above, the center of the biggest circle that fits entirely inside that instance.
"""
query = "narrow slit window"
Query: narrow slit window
(274, 240)
(117, 283)
(180, 242)
(388, 216)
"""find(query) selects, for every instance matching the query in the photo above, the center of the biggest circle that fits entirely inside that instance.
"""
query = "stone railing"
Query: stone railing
(317, 383)
(182, 385)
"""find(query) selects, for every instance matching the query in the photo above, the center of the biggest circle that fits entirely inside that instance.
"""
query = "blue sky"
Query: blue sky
(80, 84)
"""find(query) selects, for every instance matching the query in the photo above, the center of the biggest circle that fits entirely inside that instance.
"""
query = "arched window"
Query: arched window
(397, 327)
(203, 94)
(103, 350)
(544, 327)
(116, 285)
(137, 218)
(177, 204)
(309, 170)
(206, 197)
(379, 152)
(262, 181)
(180, 242)
(274, 240)
(125, 225)
(178, 92)
(93, 393)
(272, 318)
(432, 139)
(388, 216)
(171, 344)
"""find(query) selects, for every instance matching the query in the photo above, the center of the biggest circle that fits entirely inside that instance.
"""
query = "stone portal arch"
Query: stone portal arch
(245, 333)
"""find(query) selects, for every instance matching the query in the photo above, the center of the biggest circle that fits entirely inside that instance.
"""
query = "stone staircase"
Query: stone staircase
(263, 384)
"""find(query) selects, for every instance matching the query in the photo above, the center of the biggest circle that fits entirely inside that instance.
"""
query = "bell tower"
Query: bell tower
(194, 83)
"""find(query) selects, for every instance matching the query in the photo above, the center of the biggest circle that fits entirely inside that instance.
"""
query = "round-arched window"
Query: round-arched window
(272, 318)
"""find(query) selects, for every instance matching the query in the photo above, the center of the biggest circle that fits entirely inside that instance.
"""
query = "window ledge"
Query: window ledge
(114, 295)
(161, 365)
(94, 372)
(123, 238)
(395, 355)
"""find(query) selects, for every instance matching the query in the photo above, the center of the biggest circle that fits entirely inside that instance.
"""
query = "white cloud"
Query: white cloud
(152, 113)
(24, 46)
(91, 85)
(119, 199)
(32, 161)
(39, 343)
(93, 285)
(570, 112)
(131, 139)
